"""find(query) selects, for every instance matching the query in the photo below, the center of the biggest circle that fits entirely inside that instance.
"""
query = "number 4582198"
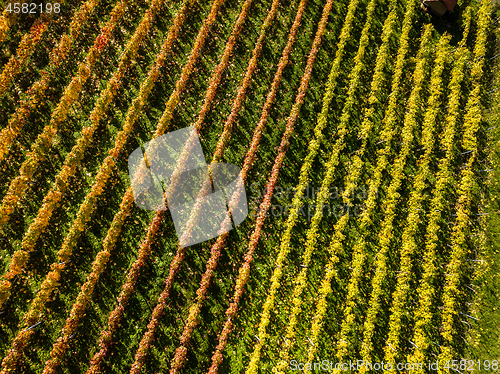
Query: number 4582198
(471, 365)
(33, 8)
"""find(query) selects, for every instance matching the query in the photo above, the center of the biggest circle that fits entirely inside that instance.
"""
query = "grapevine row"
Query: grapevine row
(37, 90)
(453, 291)
(354, 172)
(174, 268)
(19, 185)
(392, 200)
(409, 245)
(24, 51)
(335, 247)
(134, 273)
(425, 291)
(311, 239)
(126, 292)
(53, 199)
(377, 84)
(192, 320)
(213, 84)
(7, 19)
(388, 132)
(394, 248)
(92, 278)
(105, 171)
(217, 247)
(354, 83)
(127, 200)
(52, 279)
(271, 184)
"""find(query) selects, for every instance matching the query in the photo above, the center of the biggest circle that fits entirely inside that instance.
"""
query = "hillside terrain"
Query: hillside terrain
(367, 133)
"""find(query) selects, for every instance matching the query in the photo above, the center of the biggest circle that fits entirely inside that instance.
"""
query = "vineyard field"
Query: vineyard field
(361, 234)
